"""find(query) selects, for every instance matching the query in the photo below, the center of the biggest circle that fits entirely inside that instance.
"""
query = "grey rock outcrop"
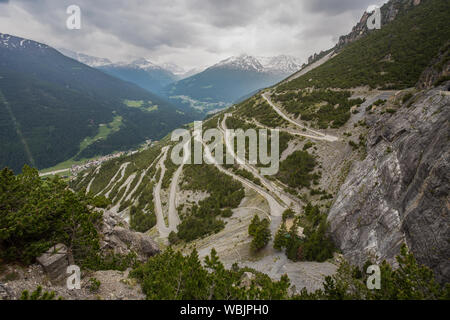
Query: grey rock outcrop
(438, 69)
(55, 262)
(400, 192)
(117, 237)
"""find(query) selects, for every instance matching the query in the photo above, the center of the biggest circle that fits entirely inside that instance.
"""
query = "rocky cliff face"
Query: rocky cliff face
(399, 193)
(439, 69)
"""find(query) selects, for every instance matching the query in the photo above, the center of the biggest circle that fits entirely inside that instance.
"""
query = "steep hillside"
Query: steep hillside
(389, 12)
(391, 58)
(53, 108)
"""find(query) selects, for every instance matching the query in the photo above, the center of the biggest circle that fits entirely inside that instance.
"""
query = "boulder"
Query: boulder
(247, 280)
(142, 244)
(55, 262)
(119, 238)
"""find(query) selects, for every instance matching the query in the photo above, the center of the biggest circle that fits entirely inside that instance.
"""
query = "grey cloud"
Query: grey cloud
(230, 13)
(334, 7)
(191, 32)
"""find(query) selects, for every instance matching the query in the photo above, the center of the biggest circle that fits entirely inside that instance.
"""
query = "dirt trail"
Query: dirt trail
(316, 134)
(121, 170)
(52, 173)
(126, 185)
(142, 178)
(92, 180)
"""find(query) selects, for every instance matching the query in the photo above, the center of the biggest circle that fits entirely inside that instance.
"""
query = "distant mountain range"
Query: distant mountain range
(231, 79)
(203, 89)
(142, 72)
(84, 58)
(54, 108)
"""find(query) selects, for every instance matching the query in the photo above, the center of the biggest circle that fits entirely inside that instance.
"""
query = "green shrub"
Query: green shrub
(297, 169)
(94, 285)
(186, 278)
(314, 246)
(410, 281)
(36, 214)
(38, 295)
(225, 193)
(173, 237)
(141, 221)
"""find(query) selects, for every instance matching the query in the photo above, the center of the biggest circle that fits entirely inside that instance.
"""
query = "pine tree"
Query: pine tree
(253, 225)
(280, 240)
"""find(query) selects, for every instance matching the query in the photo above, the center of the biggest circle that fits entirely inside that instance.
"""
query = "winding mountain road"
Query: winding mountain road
(276, 209)
(277, 191)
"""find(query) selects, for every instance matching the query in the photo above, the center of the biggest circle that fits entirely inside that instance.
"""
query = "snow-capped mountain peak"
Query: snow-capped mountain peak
(91, 61)
(12, 42)
(144, 64)
(242, 62)
(282, 64)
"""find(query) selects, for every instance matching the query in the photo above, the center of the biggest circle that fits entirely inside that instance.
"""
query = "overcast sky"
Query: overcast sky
(190, 33)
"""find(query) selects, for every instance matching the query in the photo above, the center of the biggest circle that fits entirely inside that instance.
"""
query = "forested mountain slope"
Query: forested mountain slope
(53, 108)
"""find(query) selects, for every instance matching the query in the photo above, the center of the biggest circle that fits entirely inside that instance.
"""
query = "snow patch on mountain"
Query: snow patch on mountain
(9, 41)
(141, 63)
(242, 62)
(174, 68)
(91, 61)
(282, 64)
